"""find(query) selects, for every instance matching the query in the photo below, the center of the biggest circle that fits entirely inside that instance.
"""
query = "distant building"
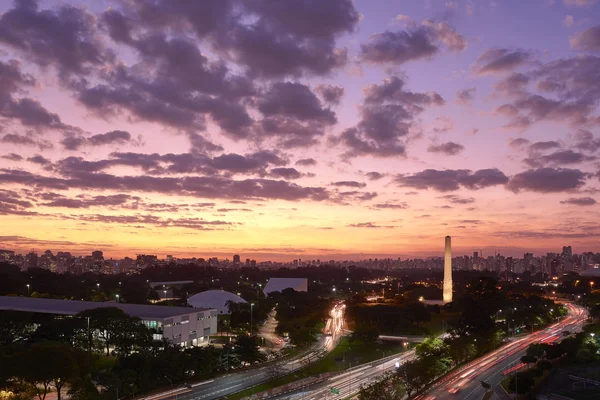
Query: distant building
(567, 252)
(280, 284)
(31, 260)
(6, 255)
(217, 299)
(97, 255)
(236, 259)
(180, 325)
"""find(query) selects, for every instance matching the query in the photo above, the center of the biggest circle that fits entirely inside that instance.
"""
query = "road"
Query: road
(234, 382)
(267, 332)
(465, 382)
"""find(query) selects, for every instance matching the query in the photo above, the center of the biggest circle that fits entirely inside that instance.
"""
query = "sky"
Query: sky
(293, 129)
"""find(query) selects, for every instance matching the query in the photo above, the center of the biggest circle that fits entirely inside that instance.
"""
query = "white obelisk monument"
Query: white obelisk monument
(448, 271)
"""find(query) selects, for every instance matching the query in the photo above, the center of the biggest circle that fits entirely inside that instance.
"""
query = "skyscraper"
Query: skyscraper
(236, 259)
(447, 286)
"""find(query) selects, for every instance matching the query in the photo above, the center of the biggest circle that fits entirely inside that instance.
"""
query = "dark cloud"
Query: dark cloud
(585, 141)
(286, 173)
(74, 141)
(414, 43)
(374, 176)
(448, 148)
(588, 40)
(12, 203)
(543, 146)
(65, 37)
(500, 61)
(37, 159)
(567, 92)
(519, 143)
(390, 206)
(26, 141)
(87, 202)
(450, 180)
(306, 162)
(369, 225)
(580, 201)
(13, 157)
(199, 144)
(465, 96)
(547, 180)
(387, 115)
(352, 184)
(189, 223)
(558, 158)
(455, 199)
(210, 187)
(331, 94)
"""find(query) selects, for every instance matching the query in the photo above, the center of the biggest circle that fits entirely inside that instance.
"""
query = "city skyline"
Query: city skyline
(362, 130)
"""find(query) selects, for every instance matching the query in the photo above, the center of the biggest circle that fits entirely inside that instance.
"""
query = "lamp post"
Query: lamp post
(165, 292)
(98, 287)
(28, 286)
(117, 298)
(251, 306)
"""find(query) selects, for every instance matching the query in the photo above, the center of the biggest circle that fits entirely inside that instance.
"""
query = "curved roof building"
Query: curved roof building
(592, 272)
(216, 298)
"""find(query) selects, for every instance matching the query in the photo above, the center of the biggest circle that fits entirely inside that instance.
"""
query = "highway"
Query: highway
(465, 382)
(236, 381)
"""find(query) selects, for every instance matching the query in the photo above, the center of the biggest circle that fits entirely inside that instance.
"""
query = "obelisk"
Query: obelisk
(447, 296)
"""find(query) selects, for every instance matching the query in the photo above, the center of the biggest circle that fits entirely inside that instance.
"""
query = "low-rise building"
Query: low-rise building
(184, 326)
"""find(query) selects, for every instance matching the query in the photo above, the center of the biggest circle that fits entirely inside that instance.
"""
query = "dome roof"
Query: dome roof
(214, 299)
(593, 272)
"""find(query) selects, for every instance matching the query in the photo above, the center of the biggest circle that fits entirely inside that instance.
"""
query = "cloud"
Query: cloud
(331, 94)
(387, 116)
(455, 199)
(465, 96)
(390, 206)
(451, 180)
(370, 225)
(374, 176)
(23, 140)
(84, 201)
(543, 146)
(416, 42)
(210, 187)
(306, 162)
(569, 21)
(352, 184)
(547, 180)
(580, 201)
(519, 143)
(588, 40)
(448, 148)
(76, 141)
(286, 173)
(500, 61)
(65, 37)
(12, 157)
(558, 158)
(39, 160)
(586, 141)
(579, 3)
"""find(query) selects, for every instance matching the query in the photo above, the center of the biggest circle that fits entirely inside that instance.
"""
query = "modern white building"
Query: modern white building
(184, 326)
(280, 284)
(215, 299)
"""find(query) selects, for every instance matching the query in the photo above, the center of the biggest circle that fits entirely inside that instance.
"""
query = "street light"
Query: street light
(27, 289)
(251, 306)
(165, 292)
(98, 286)
(117, 298)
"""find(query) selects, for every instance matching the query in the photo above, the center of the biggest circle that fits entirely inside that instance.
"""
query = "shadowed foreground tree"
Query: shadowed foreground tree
(390, 387)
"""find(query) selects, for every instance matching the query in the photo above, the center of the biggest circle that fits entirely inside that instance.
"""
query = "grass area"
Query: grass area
(344, 355)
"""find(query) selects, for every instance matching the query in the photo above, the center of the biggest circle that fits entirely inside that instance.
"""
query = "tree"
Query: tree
(247, 349)
(47, 364)
(116, 329)
(527, 359)
(388, 388)
(536, 350)
(15, 326)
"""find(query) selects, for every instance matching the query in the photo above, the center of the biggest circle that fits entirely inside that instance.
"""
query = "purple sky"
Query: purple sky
(299, 129)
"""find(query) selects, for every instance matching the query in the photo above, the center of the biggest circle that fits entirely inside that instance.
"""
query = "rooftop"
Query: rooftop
(72, 307)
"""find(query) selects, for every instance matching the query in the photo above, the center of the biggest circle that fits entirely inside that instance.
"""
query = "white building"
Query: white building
(280, 284)
(216, 299)
(185, 326)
